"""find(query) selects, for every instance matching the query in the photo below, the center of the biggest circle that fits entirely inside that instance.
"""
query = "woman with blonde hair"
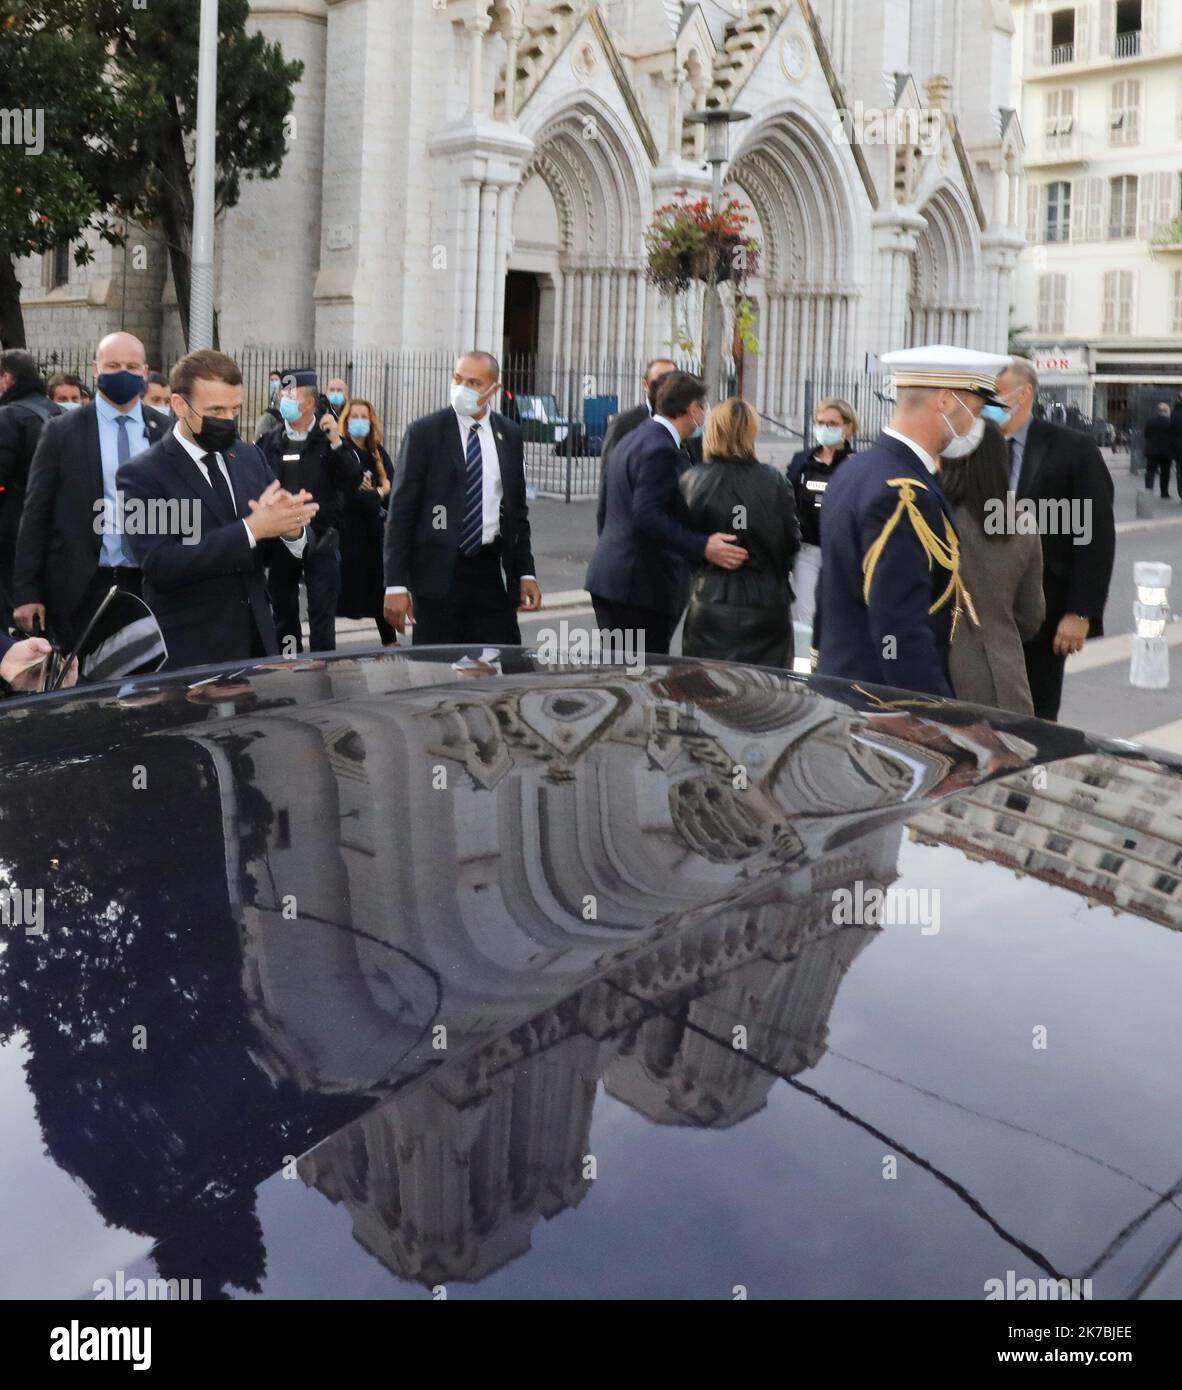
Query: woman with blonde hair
(363, 520)
(744, 614)
(835, 424)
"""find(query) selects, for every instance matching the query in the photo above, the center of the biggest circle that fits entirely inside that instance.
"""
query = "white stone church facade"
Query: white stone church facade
(481, 172)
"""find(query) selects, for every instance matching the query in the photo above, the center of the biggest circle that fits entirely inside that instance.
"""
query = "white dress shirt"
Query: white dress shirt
(492, 491)
(917, 449)
(671, 427)
(197, 454)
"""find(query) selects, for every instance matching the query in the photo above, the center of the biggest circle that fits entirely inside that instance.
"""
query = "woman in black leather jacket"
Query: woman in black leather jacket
(744, 614)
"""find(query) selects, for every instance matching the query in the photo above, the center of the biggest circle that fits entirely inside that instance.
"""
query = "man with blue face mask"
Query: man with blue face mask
(309, 454)
(458, 554)
(890, 594)
(70, 548)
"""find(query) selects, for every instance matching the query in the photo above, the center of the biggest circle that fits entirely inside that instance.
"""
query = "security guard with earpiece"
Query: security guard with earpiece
(890, 594)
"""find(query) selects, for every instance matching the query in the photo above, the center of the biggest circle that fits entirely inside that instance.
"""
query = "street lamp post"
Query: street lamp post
(718, 130)
(201, 261)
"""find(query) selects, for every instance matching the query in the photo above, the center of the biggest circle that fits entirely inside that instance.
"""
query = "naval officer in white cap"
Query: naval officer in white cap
(890, 593)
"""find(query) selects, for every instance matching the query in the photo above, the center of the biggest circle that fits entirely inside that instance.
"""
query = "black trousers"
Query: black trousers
(652, 627)
(477, 610)
(320, 570)
(1044, 670)
(7, 561)
(1153, 466)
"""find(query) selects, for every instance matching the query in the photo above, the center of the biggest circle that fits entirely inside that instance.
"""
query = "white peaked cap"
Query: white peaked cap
(962, 369)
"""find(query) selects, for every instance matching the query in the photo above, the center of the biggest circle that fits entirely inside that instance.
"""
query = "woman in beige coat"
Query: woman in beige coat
(1002, 572)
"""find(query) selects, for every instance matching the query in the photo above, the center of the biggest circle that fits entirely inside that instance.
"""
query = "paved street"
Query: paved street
(1098, 696)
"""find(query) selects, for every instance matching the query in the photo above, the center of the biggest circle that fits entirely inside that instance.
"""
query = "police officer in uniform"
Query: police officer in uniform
(309, 455)
(890, 593)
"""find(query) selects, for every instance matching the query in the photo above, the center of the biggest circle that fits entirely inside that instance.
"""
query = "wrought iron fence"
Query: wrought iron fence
(563, 410)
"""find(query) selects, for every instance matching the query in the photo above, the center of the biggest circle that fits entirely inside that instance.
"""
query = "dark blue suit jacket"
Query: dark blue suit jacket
(643, 555)
(855, 635)
(425, 511)
(210, 598)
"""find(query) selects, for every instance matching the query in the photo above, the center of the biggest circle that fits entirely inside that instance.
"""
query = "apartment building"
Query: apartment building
(1098, 88)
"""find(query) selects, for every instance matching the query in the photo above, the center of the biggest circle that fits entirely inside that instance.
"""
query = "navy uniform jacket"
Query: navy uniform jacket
(886, 551)
(643, 553)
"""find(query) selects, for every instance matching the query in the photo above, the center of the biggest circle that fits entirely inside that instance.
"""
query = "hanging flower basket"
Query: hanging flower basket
(689, 242)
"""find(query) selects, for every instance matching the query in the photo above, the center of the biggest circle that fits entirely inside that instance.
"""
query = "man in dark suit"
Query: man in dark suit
(24, 409)
(1159, 449)
(623, 424)
(890, 596)
(459, 563)
(203, 514)
(306, 453)
(69, 551)
(1051, 465)
(637, 575)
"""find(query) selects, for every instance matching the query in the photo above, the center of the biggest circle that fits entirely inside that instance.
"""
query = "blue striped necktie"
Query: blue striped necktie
(472, 533)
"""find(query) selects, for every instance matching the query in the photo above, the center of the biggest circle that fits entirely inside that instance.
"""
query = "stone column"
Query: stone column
(623, 284)
(486, 292)
(675, 86)
(477, 26)
(640, 323)
(896, 233)
(701, 92)
(504, 199)
(513, 36)
(469, 277)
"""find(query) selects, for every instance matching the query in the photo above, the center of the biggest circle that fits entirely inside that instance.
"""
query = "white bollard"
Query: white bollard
(1149, 668)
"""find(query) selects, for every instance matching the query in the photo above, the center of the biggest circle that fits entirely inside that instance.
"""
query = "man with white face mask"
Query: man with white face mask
(890, 594)
(459, 564)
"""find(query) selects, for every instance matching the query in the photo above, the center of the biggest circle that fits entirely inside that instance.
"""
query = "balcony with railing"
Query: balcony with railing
(1062, 53)
(1128, 44)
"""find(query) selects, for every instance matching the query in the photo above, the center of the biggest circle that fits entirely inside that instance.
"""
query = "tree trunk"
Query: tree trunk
(12, 319)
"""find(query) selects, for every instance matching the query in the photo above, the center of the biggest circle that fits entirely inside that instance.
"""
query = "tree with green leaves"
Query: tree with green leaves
(155, 52)
(60, 161)
(117, 83)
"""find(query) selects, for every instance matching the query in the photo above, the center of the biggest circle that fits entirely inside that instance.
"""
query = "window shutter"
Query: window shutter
(1125, 311)
(1083, 24)
(1133, 90)
(1095, 212)
(1044, 304)
(1115, 102)
(1146, 185)
(1166, 200)
(1050, 119)
(1078, 209)
(1042, 39)
(1148, 25)
(1059, 304)
(1107, 26)
(1109, 313)
(1034, 213)
(1177, 298)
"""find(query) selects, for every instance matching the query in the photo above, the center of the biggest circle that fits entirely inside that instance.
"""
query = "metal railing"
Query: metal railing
(1062, 53)
(563, 409)
(1128, 44)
